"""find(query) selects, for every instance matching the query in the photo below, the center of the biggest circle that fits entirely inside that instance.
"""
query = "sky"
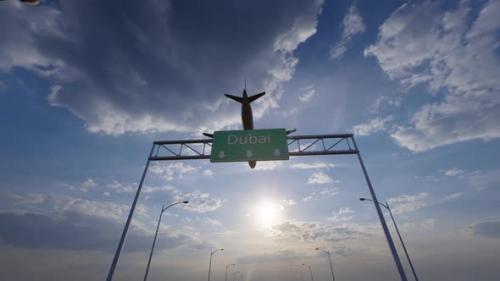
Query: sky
(87, 86)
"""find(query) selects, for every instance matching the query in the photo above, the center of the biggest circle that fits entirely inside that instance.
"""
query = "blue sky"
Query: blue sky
(86, 87)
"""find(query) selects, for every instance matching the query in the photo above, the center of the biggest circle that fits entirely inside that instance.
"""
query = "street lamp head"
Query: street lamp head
(185, 202)
(362, 199)
(221, 249)
(317, 249)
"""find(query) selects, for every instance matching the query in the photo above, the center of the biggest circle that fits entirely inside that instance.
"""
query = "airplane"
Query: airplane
(246, 115)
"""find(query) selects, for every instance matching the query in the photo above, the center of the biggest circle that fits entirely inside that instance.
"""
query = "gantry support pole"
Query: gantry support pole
(392, 247)
(129, 219)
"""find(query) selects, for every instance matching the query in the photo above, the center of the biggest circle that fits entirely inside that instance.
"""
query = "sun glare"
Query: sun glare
(267, 213)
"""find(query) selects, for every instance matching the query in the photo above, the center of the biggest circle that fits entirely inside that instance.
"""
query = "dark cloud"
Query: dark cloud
(155, 65)
(75, 231)
(487, 229)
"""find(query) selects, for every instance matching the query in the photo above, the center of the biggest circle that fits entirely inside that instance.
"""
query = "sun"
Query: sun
(267, 213)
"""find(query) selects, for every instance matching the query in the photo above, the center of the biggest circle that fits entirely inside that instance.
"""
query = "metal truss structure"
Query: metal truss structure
(305, 145)
(300, 145)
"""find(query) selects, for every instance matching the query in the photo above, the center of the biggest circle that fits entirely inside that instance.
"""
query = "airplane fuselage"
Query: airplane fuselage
(247, 119)
(246, 114)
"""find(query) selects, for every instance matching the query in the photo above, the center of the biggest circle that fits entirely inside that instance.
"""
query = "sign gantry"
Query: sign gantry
(299, 145)
(252, 145)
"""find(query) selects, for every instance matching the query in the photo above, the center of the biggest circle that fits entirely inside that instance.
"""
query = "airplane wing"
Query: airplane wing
(254, 97)
(238, 99)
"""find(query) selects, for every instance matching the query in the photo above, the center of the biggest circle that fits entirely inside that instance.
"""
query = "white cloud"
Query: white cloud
(60, 203)
(52, 97)
(319, 178)
(89, 183)
(327, 191)
(19, 49)
(453, 172)
(408, 203)
(345, 211)
(342, 215)
(151, 189)
(352, 25)
(313, 165)
(338, 50)
(385, 101)
(268, 165)
(454, 53)
(83, 186)
(27, 199)
(118, 187)
(208, 172)
(424, 224)
(102, 209)
(85, 225)
(206, 222)
(168, 172)
(213, 222)
(318, 231)
(373, 126)
(321, 193)
(300, 31)
(199, 202)
(453, 196)
(287, 202)
(307, 198)
(308, 94)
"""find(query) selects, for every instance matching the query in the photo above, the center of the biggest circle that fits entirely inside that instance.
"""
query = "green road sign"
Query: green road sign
(246, 145)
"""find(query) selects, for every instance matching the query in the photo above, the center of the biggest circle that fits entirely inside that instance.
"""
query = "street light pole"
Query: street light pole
(163, 209)
(386, 205)
(310, 271)
(392, 247)
(210, 263)
(329, 260)
(228, 266)
(402, 243)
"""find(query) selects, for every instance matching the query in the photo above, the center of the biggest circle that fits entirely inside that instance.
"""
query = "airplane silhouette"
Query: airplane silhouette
(246, 115)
